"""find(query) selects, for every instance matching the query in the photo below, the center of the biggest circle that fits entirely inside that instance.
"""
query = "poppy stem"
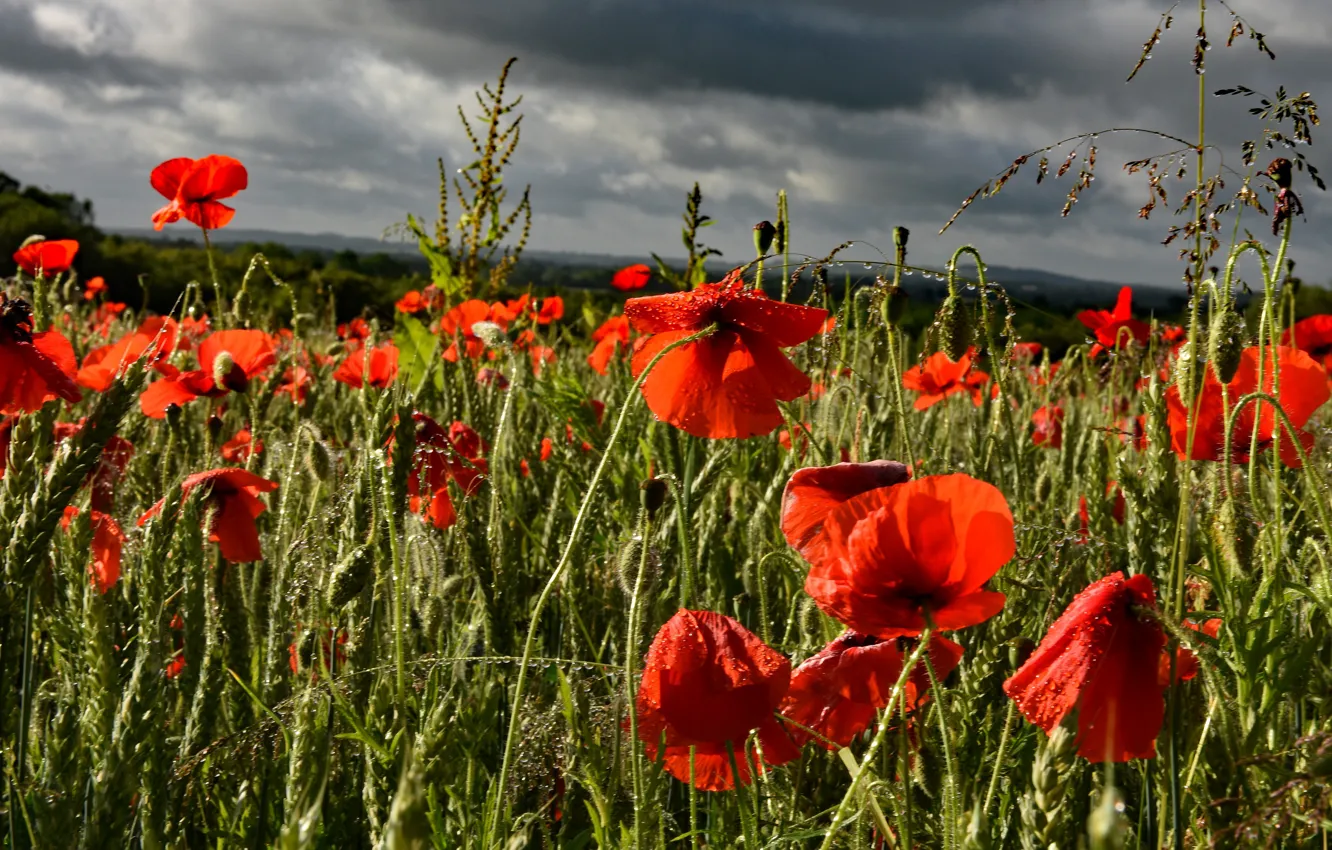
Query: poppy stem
(212, 271)
(630, 674)
(492, 820)
(950, 768)
(746, 816)
(999, 756)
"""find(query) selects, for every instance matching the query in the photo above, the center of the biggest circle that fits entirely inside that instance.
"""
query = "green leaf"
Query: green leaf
(417, 348)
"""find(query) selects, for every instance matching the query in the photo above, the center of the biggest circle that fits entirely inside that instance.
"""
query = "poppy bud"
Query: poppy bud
(900, 236)
(228, 373)
(897, 304)
(173, 413)
(1225, 343)
(214, 427)
(764, 233)
(653, 495)
(349, 576)
(490, 333)
(953, 328)
(320, 460)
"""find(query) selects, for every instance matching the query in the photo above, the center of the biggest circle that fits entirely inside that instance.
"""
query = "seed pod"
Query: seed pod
(228, 373)
(954, 331)
(1224, 344)
(349, 576)
(764, 233)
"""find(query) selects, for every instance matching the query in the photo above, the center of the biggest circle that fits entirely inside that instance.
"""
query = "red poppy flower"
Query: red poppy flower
(105, 478)
(503, 313)
(250, 353)
(233, 497)
(50, 257)
(728, 384)
(546, 448)
(379, 372)
(1115, 328)
(1314, 336)
(154, 339)
(456, 326)
(176, 665)
(330, 650)
(240, 446)
(440, 456)
(939, 377)
(1100, 657)
(412, 302)
(613, 335)
(1173, 335)
(296, 383)
(839, 691)
(107, 543)
(34, 367)
(802, 435)
(353, 332)
(195, 188)
(1027, 351)
(548, 310)
(93, 288)
(487, 376)
(893, 555)
(192, 330)
(1186, 663)
(813, 492)
(1048, 426)
(632, 277)
(707, 681)
(1304, 389)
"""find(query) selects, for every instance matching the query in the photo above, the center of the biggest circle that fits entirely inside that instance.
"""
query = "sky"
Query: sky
(870, 114)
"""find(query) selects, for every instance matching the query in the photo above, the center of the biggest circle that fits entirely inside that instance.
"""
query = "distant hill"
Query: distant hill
(1051, 288)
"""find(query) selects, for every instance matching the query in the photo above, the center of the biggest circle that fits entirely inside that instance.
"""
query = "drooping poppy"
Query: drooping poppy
(1303, 389)
(233, 502)
(34, 367)
(1116, 328)
(379, 371)
(707, 681)
(939, 377)
(412, 302)
(239, 448)
(612, 335)
(727, 384)
(1100, 657)
(195, 188)
(893, 556)
(839, 691)
(48, 256)
(154, 340)
(442, 455)
(1186, 662)
(108, 542)
(105, 478)
(1048, 426)
(248, 355)
(456, 326)
(632, 277)
(813, 492)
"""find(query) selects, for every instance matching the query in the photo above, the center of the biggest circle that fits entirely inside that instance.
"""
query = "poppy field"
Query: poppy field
(706, 560)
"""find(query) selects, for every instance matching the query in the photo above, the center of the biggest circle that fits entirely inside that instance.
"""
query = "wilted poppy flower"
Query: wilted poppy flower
(708, 681)
(410, 303)
(233, 501)
(1100, 657)
(34, 367)
(105, 477)
(440, 456)
(1186, 663)
(229, 361)
(548, 310)
(613, 335)
(1303, 389)
(379, 372)
(239, 448)
(108, 541)
(154, 340)
(50, 257)
(456, 326)
(893, 556)
(839, 691)
(1115, 328)
(728, 384)
(195, 188)
(632, 277)
(1048, 426)
(812, 493)
(939, 377)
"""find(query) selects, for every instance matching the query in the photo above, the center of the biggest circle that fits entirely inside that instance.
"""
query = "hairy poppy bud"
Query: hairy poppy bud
(897, 303)
(490, 333)
(350, 575)
(764, 233)
(228, 373)
(900, 236)
(214, 427)
(1225, 343)
(653, 495)
(320, 460)
(953, 328)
